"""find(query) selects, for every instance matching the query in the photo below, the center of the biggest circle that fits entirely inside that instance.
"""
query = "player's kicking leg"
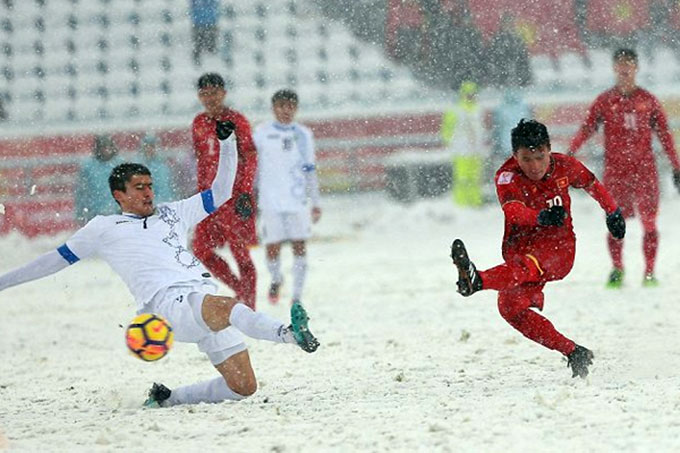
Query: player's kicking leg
(469, 281)
(579, 360)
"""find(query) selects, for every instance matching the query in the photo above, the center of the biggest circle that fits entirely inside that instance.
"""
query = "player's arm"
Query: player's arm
(47, 264)
(247, 170)
(223, 185)
(660, 125)
(517, 212)
(589, 126)
(583, 178)
(82, 244)
(197, 207)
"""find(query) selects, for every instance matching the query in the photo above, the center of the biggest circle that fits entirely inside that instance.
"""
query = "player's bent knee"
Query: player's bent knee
(216, 310)
(244, 387)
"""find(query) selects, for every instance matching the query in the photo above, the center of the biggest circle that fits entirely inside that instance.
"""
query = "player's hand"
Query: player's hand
(244, 206)
(553, 216)
(616, 224)
(224, 129)
(316, 214)
(676, 179)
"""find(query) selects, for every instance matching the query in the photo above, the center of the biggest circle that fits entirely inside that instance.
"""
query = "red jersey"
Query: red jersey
(522, 199)
(206, 148)
(628, 124)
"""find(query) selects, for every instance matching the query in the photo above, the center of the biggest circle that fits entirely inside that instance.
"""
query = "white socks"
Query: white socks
(259, 325)
(299, 274)
(274, 267)
(213, 391)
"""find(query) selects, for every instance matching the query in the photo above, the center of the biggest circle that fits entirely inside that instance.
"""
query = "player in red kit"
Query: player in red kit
(539, 242)
(630, 114)
(234, 222)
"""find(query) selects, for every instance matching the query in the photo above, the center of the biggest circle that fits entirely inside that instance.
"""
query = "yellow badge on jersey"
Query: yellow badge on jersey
(563, 182)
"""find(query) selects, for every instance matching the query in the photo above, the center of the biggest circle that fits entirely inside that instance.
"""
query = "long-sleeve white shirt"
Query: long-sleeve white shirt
(286, 176)
(149, 253)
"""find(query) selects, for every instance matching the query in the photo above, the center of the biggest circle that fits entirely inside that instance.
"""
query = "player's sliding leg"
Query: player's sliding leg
(515, 307)
(220, 312)
(237, 381)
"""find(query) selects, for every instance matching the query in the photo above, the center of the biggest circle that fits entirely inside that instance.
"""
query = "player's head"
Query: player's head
(211, 93)
(285, 105)
(131, 187)
(625, 67)
(531, 148)
(104, 148)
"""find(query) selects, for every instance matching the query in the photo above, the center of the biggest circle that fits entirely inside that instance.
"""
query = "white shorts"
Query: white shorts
(286, 226)
(181, 306)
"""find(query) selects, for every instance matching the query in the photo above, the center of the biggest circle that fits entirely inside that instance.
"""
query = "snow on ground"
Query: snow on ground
(406, 364)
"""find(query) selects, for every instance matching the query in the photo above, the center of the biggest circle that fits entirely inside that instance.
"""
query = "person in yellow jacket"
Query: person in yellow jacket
(462, 133)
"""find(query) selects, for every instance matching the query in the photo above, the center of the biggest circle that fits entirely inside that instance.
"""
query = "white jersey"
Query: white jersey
(148, 253)
(286, 177)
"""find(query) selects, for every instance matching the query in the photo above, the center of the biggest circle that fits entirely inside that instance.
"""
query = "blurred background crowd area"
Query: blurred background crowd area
(374, 77)
(66, 61)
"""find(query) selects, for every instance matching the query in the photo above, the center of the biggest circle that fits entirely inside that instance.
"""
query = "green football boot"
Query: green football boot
(650, 281)
(615, 279)
(298, 323)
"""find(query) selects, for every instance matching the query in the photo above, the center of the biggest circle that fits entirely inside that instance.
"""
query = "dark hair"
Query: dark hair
(625, 53)
(530, 134)
(285, 95)
(210, 79)
(123, 173)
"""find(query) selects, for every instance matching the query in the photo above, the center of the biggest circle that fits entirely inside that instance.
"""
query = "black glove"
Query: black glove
(244, 206)
(616, 224)
(552, 216)
(676, 179)
(224, 129)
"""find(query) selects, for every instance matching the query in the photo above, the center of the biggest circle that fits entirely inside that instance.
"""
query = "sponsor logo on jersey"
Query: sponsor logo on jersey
(505, 177)
(118, 222)
(563, 182)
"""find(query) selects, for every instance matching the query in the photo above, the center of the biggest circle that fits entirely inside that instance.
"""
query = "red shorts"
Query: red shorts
(633, 196)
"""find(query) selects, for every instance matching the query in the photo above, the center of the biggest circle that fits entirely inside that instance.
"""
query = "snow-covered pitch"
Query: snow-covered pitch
(406, 364)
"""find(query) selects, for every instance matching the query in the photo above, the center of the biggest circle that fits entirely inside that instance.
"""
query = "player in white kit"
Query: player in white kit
(288, 190)
(146, 246)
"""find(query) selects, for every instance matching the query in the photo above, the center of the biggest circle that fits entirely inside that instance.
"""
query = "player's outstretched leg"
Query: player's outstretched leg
(298, 324)
(579, 360)
(469, 281)
(157, 395)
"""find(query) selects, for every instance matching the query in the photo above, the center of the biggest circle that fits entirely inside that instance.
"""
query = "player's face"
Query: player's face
(212, 99)
(625, 70)
(534, 162)
(138, 196)
(284, 111)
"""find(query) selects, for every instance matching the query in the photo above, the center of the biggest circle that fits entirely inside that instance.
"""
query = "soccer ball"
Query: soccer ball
(149, 337)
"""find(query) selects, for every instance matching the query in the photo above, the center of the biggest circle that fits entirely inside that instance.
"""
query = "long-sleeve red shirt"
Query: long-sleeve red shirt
(522, 199)
(206, 149)
(628, 124)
